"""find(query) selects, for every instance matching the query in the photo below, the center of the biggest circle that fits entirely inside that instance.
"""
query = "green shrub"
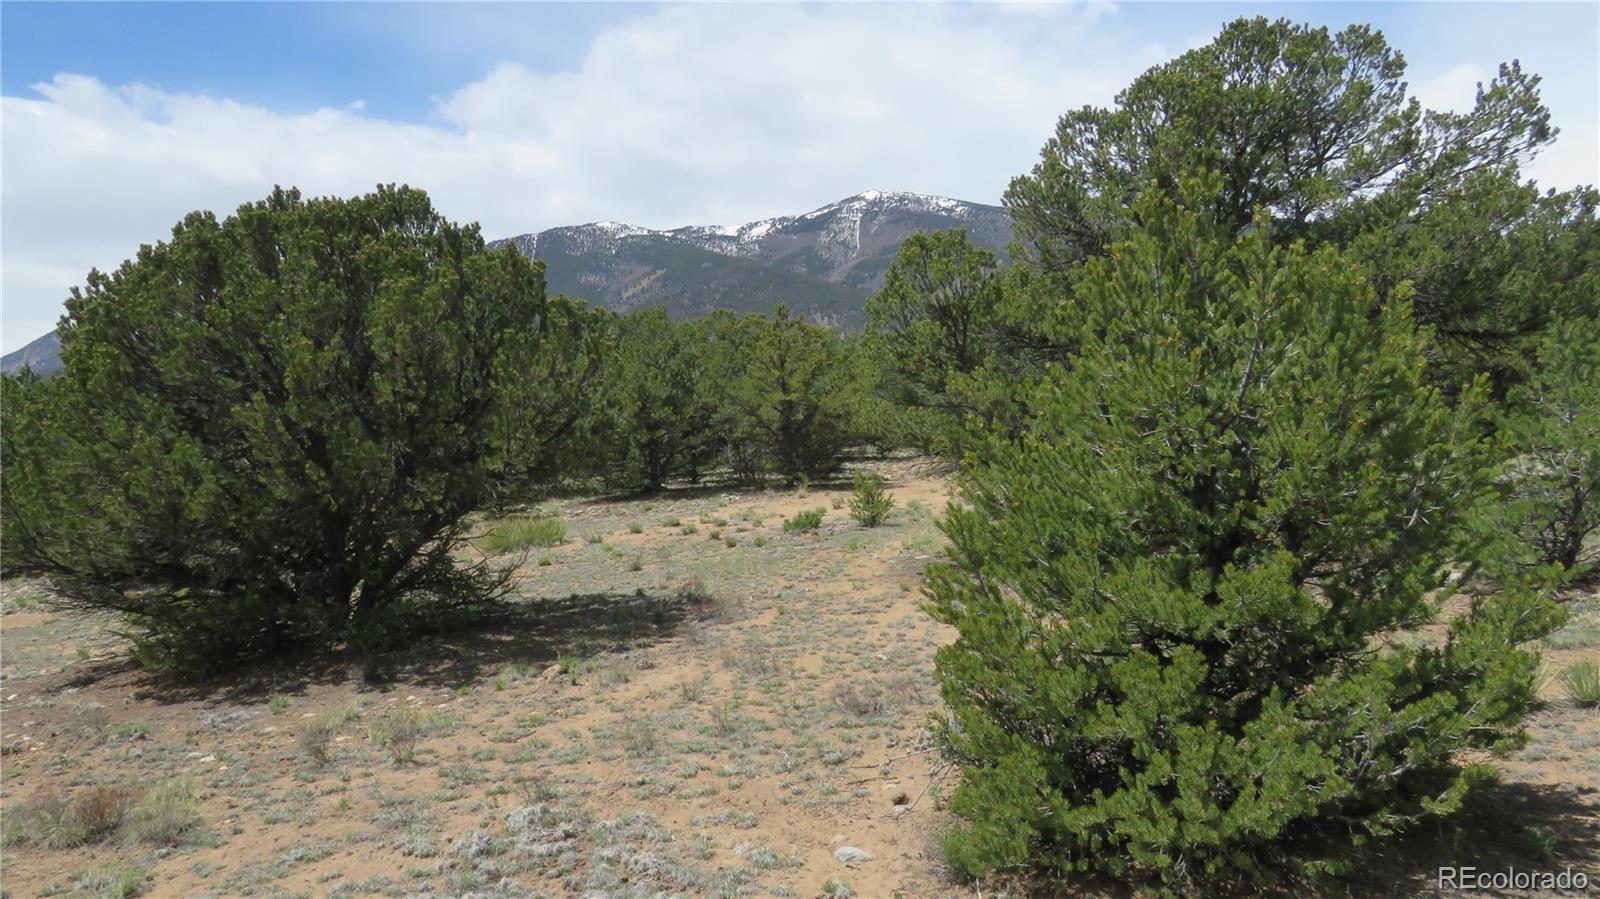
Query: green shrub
(809, 520)
(1166, 593)
(271, 428)
(1581, 680)
(870, 504)
(525, 531)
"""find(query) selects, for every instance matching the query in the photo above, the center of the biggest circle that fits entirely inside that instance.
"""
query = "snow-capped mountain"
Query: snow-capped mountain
(823, 263)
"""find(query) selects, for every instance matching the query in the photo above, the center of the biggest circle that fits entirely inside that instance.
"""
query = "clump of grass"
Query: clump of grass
(165, 813)
(53, 821)
(833, 889)
(114, 882)
(868, 699)
(640, 739)
(636, 528)
(316, 738)
(400, 730)
(804, 521)
(870, 504)
(1582, 683)
(277, 703)
(524, 531)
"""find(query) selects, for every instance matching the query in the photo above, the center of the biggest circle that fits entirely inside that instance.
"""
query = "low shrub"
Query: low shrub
(804, 521)
(870, 504)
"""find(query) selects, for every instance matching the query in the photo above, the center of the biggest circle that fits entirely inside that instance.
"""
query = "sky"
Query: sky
(118, 118)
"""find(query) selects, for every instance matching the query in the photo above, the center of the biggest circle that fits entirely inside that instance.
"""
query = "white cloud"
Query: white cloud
(699, 114)
(1454, 90)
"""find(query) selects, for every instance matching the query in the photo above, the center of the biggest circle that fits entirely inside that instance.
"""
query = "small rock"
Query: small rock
(209, 758)
(851, 855)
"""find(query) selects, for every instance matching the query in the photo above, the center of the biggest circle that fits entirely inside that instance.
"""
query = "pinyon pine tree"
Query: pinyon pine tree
(1172, 594)
(1554, 422)
(271, 428)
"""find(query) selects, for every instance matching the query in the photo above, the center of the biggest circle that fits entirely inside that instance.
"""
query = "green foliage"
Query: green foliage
(1581, 680)
(1166, 591)
(1553, 421)
(524, 531)
(933, 327)
(801, 522)
(1317, 130)
(271, 427)
(667, 406)
(1297, 121)
(870, 504)
(792, 394)
(34, 435)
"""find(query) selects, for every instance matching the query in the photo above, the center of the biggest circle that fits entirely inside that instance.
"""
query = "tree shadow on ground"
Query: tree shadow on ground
(1502, 826)
(527, 632)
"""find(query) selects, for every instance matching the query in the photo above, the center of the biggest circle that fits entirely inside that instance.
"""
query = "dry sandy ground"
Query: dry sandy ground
(615, 735)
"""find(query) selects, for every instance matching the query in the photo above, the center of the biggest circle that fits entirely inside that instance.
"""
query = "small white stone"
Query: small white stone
(851, 855)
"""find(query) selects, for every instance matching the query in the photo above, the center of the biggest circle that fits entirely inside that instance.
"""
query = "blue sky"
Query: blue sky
(118, 118)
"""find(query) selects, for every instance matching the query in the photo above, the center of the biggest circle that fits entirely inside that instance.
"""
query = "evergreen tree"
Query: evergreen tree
(1317, 130)
(795, 390)
(277, 423)
(668, 409)
(933, 327)
(33, 437)
(1554, 421)
(1171, 593)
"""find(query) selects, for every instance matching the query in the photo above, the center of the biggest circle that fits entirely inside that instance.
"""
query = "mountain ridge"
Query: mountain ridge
(823, 264)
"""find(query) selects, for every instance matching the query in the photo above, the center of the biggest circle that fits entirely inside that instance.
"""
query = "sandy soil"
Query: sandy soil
(684, 700)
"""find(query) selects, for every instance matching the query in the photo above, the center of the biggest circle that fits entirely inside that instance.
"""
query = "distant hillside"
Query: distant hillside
(822, 264)
(43, 355)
